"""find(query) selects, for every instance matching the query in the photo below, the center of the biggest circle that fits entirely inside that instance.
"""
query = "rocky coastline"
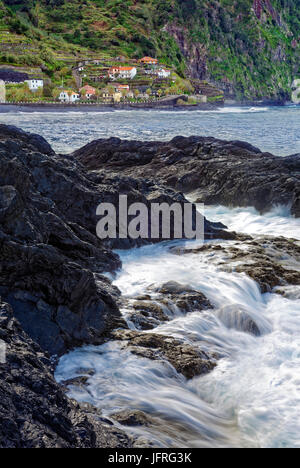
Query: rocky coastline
(212, 171)
(55, 295)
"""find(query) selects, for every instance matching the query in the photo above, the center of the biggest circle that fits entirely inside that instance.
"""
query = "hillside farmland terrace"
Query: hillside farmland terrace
(248, 48)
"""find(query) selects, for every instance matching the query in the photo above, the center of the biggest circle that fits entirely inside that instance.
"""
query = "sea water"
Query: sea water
(273, 129)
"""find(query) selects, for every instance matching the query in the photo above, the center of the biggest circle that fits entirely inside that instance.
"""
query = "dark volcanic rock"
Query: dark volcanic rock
(34, 411)
(132, 418)
(147, 314)
(163, 303)
(232, 173)
(51, 260)
(186, 359)
(184, 297)
(51, 274)
(270, 262)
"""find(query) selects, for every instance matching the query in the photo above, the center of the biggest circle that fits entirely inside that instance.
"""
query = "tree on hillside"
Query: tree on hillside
(48, 89)
(111, 90)
(55, 93)
(83, 93)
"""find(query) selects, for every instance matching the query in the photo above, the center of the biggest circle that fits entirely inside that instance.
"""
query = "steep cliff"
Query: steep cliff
(249, 48)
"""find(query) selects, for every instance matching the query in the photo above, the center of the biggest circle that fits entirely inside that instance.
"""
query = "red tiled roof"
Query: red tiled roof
(148, 59)
(88, 88)
(126, 68)
(118, 69)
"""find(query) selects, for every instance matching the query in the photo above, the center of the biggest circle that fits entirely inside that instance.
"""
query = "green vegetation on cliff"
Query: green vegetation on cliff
(249, 48)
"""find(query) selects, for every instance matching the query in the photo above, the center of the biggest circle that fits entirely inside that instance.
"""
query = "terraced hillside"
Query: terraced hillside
(249, 48)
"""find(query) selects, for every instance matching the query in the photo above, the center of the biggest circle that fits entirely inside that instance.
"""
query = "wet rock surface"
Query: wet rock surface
(270, 261)
(235, 317)
(34, 410)
(147, 314)
(232, 173)
(132, 418)
(183, 296)
(51, 260)
(187, 360)
(163, 303)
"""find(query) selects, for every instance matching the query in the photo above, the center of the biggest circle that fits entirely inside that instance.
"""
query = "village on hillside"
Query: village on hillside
(106, 81)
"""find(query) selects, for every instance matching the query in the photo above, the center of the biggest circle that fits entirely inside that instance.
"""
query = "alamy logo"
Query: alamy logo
(149, 221)
(2, 352)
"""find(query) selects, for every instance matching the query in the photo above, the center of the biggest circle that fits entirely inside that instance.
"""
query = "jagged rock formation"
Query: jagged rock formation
(54, 294)
(34, 411)
(161, 303)
(186, 359)
(215, 171)
(51, 260)
(260, 6)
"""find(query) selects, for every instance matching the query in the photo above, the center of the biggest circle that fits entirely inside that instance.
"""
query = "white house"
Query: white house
(122, 72)
(163, 73)
(70, 98)
(2, 91)
(150, 71)
(35, 84)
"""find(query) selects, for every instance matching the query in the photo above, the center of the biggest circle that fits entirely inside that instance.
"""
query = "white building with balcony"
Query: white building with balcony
(35, 84)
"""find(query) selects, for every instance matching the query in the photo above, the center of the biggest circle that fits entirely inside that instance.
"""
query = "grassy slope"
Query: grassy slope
(256, 57)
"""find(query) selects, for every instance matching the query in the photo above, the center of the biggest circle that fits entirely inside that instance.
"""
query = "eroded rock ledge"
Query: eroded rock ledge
(273, 262)
(232, 173)
(162, 304)
(187, 360)
(34, 410)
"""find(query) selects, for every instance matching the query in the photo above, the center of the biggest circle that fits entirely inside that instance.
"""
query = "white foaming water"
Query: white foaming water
(251, 399)
(278, 222)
